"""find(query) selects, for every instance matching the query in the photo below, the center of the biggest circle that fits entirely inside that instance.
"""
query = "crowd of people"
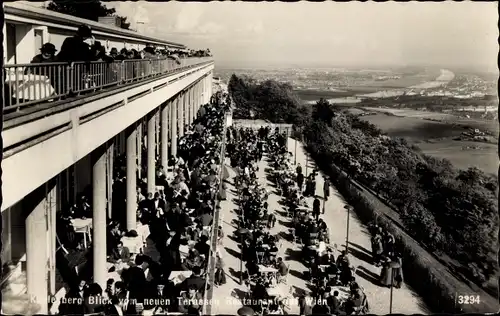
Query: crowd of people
(328, 276)
(83, 47)
(335, 289)
(265, 270)
(160, 267)
(384, 254)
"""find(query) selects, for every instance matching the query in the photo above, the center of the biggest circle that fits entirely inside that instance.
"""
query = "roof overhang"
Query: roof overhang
(20, 12)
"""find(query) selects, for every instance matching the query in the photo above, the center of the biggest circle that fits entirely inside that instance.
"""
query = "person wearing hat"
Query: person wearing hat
(113, 52)
(74, 48)
(47, 54)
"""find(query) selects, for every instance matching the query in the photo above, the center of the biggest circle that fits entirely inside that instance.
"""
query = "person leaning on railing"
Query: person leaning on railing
(75, 49)
(47, 55)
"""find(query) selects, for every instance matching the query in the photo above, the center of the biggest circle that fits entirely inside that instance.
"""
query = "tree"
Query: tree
(88, 9)
(123, 22)
(323, 111)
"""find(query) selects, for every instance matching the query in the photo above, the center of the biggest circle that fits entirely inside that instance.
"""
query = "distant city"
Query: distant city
(345, 82)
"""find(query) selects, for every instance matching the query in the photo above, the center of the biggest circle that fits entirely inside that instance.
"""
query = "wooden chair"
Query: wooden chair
(260, 256)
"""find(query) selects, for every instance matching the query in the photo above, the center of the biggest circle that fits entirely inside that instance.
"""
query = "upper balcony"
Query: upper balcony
(55, 114)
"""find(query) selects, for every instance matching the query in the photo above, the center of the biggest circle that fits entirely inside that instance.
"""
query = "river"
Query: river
(445, 77)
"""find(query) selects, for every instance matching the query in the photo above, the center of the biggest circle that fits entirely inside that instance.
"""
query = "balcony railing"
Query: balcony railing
(30, 84)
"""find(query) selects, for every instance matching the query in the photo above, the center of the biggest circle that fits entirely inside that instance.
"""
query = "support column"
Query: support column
(187, 97)
(109, 177)
(131, 148)
(200, 98)
(157, 134)
(173, 126)
(151, 172)
(180, 115)
(196, 101)
(190, 104)
(53, 192)
(36, 249)
(99, 215)
(139, 149)
(164, 134)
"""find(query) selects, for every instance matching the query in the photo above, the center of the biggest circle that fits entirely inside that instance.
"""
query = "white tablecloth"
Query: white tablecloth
(134, 244)
(264, 269)
(81, 225)
(179, 276)
(280, 290)
(30, 87)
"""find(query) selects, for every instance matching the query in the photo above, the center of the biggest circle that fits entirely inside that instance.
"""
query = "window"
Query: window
(38, 41)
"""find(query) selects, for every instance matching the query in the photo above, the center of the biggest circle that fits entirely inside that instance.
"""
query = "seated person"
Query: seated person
(282, 268)
(252, 267)
(259, 291)
(191, 302)
(120, 254)
(193, 260)
(202, 246)
(205, 219)
(195, 280)
(110, 289)
(334, 303)
(328, 258)
(353, 304)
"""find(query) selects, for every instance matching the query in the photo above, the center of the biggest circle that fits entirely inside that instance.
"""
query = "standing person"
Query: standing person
(398, 271)
(299, 168)
(74, 48)
(316, 208)
(326, 189)
(386, 273)
(300, 181)
(305, 304)
(377, 249)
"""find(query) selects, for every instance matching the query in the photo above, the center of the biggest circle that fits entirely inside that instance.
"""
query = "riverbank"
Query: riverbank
(356, 96)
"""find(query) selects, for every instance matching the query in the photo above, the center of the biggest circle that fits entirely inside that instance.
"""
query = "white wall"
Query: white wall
(25, 40)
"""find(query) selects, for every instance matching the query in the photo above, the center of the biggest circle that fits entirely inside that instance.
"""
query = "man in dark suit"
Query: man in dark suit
(202, 246)
(136, 279)
(114, 308)
(328, 258)
(120, 253)
(195, 280)
(156, 203)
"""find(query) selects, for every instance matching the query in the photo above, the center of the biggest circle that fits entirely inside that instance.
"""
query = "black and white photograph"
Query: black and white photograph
(249, 158)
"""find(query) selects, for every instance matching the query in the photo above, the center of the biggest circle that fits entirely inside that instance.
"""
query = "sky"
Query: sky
(445, 34)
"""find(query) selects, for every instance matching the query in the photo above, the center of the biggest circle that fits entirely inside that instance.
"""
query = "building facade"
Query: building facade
(58, 144)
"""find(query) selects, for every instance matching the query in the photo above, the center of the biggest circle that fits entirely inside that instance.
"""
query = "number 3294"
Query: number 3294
(469, 299)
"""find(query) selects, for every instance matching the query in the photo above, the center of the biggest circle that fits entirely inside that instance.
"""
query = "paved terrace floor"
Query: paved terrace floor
(227, 297)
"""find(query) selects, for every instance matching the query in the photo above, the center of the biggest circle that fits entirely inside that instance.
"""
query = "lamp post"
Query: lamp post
(241, 232)
(348, 208)
(392, 287)
(393, 266)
